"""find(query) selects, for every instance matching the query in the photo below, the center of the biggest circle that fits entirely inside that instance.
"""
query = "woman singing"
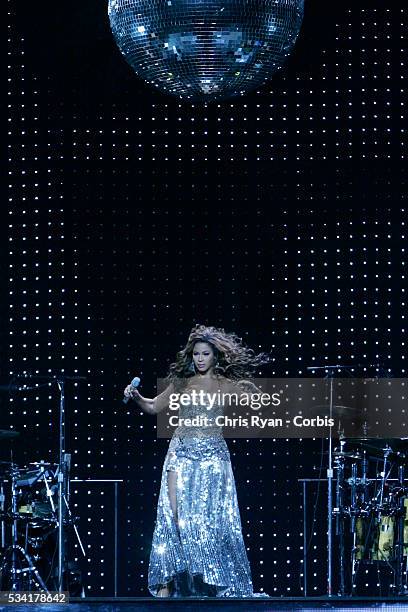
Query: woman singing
(198, 548)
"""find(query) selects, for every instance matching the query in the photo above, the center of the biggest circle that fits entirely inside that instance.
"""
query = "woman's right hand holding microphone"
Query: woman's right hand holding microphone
(131, 391)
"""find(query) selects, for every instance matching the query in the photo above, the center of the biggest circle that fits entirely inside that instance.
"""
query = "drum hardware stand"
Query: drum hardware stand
(353, 523)
(72, 520)
(364, 466)
(15, 549)
(400, 537)
(353, 515)
(405, 586)
(2, 503)
(387, 451)
(49, 493)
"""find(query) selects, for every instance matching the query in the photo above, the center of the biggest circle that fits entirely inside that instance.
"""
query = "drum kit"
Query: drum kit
(34, 504)
(371, 507)
(367, 509)
(29, 522)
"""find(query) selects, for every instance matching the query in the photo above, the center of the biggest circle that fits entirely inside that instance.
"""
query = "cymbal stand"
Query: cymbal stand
(330, 495)
(329, 369)
(340, 512)
(353, 507)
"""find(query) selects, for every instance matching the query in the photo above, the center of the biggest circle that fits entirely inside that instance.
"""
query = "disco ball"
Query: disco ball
(205, 49)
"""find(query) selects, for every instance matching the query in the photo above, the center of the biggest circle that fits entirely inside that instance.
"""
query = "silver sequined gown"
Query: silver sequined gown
(206, 555)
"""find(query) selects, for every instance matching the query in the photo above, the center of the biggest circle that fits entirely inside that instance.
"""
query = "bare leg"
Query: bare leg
(164, 591)
(172, 489)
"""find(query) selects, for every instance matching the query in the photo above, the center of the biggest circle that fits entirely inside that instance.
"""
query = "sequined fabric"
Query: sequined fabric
(205, 555)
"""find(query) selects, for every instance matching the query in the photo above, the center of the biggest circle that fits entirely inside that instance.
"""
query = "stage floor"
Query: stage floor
(141, 604)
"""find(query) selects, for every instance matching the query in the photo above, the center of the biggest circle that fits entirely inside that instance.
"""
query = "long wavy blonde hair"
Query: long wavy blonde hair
(232, 360)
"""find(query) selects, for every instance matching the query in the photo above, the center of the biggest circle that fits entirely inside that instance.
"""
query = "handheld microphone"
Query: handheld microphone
(135, 383)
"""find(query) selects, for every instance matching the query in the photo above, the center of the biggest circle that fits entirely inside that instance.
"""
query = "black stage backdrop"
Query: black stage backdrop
(133, 216)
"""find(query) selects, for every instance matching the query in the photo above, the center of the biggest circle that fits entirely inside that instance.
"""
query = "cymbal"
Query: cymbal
(8, 434)
(376, 446)
(347, 455)
(337, 410)
(394, 443)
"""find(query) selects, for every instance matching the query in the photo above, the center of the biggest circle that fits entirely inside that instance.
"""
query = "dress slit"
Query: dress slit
(172, 495)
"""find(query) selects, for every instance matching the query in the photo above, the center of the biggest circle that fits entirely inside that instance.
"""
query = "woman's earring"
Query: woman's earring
(192, 368)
